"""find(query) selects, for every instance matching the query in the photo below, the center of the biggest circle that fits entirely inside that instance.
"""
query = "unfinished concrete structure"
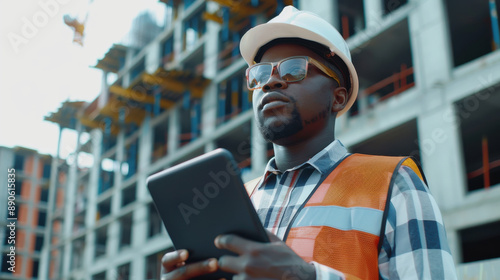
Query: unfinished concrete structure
(430, 88)
(31, 173)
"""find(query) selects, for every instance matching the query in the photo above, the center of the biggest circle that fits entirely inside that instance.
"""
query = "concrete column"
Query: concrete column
(209, 110)
(119, 158)
(140, 215)
(91, 211)
(45, 259)
(430, 42)
(373, 13)
(153, 57)
(442, 155)
(113, 230)
(334, 13)
(209, 100)
(113, 238)
(94, 175)
(144, 156)
(140, 227)
(174, 130)
(211, 48)
(114, 227)
(326, 9)
(178, 34)
(111, 273)
(69, 209)
(103, 97)
(104, 84)
(128, 64)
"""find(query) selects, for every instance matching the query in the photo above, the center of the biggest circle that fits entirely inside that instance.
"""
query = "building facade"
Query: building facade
(24, 199)
(429, 87)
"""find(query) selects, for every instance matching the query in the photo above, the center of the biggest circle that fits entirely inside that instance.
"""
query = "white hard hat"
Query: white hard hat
(292, 23)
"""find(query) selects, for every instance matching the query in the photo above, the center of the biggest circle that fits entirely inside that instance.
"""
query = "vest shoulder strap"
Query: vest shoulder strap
(358, 181)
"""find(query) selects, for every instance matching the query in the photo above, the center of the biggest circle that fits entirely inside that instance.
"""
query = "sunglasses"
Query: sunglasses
(291, 69)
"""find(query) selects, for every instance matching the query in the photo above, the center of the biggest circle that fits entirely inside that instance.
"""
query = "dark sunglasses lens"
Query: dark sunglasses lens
(294, 69)
(259, 75)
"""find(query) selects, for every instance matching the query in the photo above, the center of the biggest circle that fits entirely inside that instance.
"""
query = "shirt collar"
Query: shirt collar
(322, 161)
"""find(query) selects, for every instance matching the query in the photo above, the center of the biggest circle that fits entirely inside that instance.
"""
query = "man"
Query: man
(341, 216)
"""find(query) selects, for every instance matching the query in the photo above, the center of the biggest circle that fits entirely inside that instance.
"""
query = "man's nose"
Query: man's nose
(274, 82)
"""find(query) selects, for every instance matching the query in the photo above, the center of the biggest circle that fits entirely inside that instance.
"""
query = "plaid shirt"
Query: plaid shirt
(414, 221)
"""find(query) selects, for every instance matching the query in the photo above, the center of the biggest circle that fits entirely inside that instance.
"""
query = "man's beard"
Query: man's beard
(287, 127)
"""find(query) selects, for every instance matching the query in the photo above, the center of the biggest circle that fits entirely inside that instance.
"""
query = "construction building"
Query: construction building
(23, 220)
(429, 74)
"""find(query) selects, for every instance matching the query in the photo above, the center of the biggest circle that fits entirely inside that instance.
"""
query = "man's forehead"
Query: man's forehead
(316, 47)
(283, 50)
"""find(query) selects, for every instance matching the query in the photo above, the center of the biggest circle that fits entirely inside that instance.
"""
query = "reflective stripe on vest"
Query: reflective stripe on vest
(356, 218)
(340, 224)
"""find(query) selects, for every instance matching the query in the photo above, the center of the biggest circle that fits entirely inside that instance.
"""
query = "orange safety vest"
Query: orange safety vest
(342, 220)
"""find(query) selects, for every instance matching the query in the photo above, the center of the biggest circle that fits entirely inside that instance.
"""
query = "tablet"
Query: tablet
(202, 198)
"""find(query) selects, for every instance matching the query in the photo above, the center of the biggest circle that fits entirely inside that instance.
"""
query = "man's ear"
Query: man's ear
(340, 98)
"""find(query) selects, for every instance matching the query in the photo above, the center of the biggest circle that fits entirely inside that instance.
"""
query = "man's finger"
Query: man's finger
(171, 260)
(192, 270)
(235, 243)
(231, 264)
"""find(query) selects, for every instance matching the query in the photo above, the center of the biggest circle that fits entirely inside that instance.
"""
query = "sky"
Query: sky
(41, 66)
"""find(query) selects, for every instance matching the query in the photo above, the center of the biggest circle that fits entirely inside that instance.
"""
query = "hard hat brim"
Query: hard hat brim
(262, 34)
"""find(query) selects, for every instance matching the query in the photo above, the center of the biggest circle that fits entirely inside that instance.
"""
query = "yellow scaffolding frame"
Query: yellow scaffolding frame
(113, 107)
(95, 124)
(139, 96)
